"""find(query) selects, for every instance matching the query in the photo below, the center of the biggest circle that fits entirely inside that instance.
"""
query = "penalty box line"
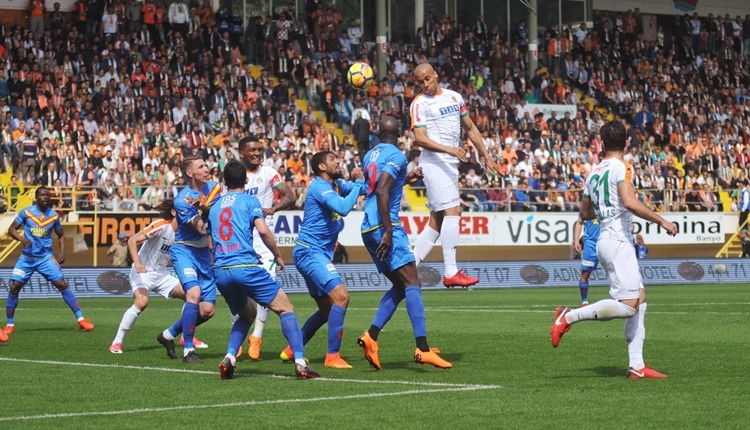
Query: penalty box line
(247, 403)
(255, 375)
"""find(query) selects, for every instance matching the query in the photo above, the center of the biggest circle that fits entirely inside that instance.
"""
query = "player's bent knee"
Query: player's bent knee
(60, 284)
(16, 288)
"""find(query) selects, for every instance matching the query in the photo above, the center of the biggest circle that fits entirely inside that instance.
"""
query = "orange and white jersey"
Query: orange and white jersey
(261, 184)
(154, 253)
(615, 220)
(441, 115)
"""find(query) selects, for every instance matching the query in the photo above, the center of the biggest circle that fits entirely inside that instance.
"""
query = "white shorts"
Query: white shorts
(264, 254)
(619, 260)
(441, 182)
(161, 283)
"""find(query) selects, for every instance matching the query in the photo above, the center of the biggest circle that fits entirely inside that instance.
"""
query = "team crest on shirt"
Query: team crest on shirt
(259, 180)
(454, 100)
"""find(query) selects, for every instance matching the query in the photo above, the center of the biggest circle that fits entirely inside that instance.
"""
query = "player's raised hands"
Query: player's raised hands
(357, 173)
(415, 175)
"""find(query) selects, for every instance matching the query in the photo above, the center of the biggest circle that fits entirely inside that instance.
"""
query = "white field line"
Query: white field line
(238, 404)
(213, 373)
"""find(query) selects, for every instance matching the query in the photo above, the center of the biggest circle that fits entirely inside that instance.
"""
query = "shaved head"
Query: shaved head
(423, 68)
(388, 129)
(426, 79)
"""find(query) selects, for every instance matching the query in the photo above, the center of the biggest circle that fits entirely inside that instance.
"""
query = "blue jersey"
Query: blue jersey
(184, 207)
(231, 222)
(324, 209)
(38, 227)
(384, 158)
(591, 230)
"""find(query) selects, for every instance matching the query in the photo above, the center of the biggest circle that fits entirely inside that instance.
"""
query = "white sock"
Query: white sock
(635, 335)
(260, 321)
(234, 318)
(603, 310)
(127, 323)
(449, 238)
(424, 244)
(187, 351)
(167, 335)
(232, 358)
(300, 361)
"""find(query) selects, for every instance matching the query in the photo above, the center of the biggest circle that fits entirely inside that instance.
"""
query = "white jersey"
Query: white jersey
(615, 220)
(261, 184)
(154, 253)
(441, 115)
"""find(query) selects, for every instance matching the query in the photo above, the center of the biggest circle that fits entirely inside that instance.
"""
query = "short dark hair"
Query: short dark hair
(187, 161)
(614, 136)
(318, 159)
(235, 175)
(165, 209)
(39, 190)
(245, 140)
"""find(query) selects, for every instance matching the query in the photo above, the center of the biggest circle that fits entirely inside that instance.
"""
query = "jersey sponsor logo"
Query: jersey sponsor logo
(165, 248)
(447, 110)
(395, 166)
(19, 272)
(228, 200)
(189, 272)
(39, 232)
(331, 268)
(252, 191)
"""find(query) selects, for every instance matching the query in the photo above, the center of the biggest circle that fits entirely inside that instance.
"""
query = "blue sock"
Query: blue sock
(584, 286)
(388, 305)
(335, 328)
(176, 328)
(415, 309)
(290, 328)
(10, 307)
(72, 301)
(190, 315)
(238, 335)
(311, 326)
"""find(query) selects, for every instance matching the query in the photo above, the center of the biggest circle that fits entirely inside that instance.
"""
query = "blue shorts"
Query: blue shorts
(193, 267)
(400, 254)
(319, 272)
(46, 266)
(237, 284)
(589, 259)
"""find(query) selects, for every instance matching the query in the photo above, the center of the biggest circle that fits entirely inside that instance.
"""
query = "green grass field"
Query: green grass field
(506, 374)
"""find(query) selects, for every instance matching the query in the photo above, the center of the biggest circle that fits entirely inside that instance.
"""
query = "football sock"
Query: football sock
(335, 328)
(10, 308)
(173, 331)
(290, 328)
(237, 336)
(449, 238)
(603, 310)
(388, 305)
(127, 323)
(311, 326)
(260, 321)
(584, 287)
(635, 335)
(424, 244)
(72, 301)
(190, 314)
(232, 358)
(415, 309)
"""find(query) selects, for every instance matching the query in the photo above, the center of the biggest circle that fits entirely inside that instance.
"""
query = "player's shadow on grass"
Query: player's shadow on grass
(42, 329)
(608, 371)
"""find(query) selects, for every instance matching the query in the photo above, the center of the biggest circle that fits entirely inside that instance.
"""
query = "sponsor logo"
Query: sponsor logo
(691, 271)
(19, 272)
(330, 268)
(686, 5)
(448, 110)
(534, 274)
(113, 282)
(189, 272)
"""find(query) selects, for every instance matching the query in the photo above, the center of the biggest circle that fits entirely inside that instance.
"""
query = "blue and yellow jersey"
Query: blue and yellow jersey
(591, 230)
(384, 158)
(231, 222)
(325, 205)
(185, 207)
(38, 227)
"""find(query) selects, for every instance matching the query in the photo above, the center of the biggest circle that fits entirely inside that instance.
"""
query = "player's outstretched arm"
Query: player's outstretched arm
(267, 237)
(13, 232)
(133, 243)
(343, 205)
(476, 138)
(627, 194)
(420, 137)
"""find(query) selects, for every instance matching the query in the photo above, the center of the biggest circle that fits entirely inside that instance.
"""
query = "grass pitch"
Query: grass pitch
(506, 374)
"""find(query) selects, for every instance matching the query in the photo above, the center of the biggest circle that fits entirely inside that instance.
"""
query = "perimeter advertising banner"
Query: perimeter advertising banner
(97, 282)
(476, 229)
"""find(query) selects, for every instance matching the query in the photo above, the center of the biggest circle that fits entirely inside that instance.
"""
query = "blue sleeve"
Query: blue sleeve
(184, 210)
(338, 204)
(346, 187)
(394, 164)
(254, 210)
(57, 226)
(21, 217)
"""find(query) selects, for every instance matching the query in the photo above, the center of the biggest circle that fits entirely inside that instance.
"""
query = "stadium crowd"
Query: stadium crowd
(113, 98)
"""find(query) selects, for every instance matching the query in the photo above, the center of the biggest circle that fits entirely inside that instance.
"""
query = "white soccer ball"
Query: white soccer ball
(720, 268)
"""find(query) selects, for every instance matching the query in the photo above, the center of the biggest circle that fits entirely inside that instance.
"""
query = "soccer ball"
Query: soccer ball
(360, 76)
